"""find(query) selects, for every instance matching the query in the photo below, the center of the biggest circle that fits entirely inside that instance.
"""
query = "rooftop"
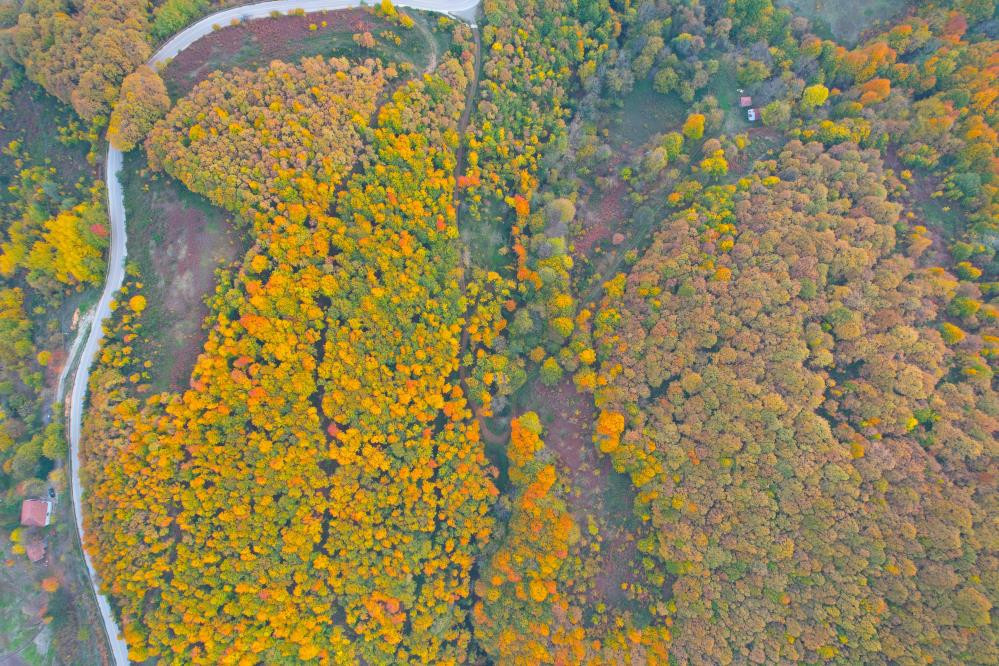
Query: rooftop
(36, 512)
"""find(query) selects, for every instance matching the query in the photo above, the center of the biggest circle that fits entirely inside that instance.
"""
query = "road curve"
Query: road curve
(460, 9)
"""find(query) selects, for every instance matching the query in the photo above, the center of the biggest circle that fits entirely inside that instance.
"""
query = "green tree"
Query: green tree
(666, 80)
(551, 372)
(776, 114)
(54, 439)
(673, 144)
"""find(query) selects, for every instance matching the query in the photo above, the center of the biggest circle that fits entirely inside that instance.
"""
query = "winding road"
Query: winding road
(465, 10)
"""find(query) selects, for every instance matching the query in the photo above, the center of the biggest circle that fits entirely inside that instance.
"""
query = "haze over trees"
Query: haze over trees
(545, 355)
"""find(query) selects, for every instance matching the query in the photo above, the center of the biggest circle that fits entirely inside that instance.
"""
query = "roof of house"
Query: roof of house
(35, 551)
(36, 512)
(745, 101)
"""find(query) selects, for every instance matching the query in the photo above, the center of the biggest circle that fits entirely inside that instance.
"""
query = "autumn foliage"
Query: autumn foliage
(143, 101)
(243, 138)
(324, 460)
(80, 51)
(778, 425)
(521, 616)
(532, 590)
(54, 248)
(782, 337)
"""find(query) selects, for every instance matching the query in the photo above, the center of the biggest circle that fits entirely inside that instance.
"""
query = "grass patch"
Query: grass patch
(487, 243)
(724, 87)
(33, 121)
(177, 240)
(645, 113)
(431, 23)
(496, 452)
(16, 631)
(940, 214)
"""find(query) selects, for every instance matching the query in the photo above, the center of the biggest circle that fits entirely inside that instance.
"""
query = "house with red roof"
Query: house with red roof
(36, 512)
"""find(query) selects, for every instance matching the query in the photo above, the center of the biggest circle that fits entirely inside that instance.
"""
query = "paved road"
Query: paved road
(462, 9)
(116, 272)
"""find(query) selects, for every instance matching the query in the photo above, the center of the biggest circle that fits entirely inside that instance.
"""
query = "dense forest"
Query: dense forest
(626, 331)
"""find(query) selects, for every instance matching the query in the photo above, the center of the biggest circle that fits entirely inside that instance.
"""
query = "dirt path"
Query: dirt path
(466, 266)
(466, 114)
(431, 43)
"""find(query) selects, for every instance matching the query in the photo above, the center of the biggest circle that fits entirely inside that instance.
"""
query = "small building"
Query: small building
(36, 512)
(35, 551)
(745, 101)
(751, 115)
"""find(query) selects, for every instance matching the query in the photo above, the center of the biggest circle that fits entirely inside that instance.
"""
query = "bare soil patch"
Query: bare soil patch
(254, 44)
(598, 492)
(186, 260)
(599, 217)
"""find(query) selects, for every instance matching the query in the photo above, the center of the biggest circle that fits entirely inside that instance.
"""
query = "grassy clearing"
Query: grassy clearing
(939, 214)
(645, 113)
(33, 120)
(846, 20)
(177, 240)
(432, 23)
(486, 242)
(17, 632)
(724, 87)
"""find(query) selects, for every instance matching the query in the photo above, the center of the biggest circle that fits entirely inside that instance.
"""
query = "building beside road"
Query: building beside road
(36, 512)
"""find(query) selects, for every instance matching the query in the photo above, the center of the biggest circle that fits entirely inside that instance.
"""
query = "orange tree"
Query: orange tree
(319, 493)
(530, 605)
